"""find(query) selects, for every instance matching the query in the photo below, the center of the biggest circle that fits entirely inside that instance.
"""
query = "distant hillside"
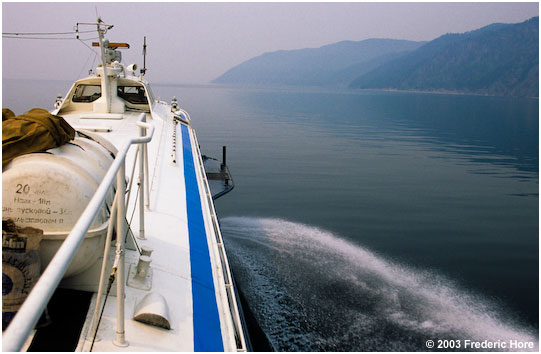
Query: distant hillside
(331, 65)
(500, 59)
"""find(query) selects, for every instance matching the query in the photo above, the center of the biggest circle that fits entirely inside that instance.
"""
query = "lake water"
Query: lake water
(365, 221)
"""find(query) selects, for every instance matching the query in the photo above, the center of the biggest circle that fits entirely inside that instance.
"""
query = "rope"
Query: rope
(131, 219)
(44, 38)
(111, 280)
(112, 276)
(86, 45)
(43, 33)
(92, 52)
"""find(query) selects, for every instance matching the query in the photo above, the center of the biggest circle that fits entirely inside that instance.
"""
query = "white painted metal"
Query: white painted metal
(230, 292)
(147, 190)
(105, 83)
(162, 225)
(63, 181)
(142, 188)
(121, 232)
(153, 309)
(103, 278)
(15, 335)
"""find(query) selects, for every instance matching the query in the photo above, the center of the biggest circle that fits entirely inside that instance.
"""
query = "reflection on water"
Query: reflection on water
(439, 183)
(494, 130)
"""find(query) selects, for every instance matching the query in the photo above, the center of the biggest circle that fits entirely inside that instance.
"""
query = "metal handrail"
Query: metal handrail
(22, 324)
(229, 286)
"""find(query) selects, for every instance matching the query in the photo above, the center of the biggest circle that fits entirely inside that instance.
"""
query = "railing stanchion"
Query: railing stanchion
(142, 186)
(15, 335)
(147, 178)
(101, 286)
(121, 234)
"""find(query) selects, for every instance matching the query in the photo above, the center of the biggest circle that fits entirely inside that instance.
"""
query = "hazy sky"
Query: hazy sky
(196, 42)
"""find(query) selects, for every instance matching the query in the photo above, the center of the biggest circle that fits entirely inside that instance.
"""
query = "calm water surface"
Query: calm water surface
(376, 221)
(369, 220)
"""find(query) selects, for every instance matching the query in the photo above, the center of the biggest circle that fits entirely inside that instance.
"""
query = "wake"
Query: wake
(312, 291)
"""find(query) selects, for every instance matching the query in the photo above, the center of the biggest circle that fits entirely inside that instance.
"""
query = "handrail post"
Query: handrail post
(15, 335)
(121, 234)
(101, 283)
(142, 184)
(147, 188)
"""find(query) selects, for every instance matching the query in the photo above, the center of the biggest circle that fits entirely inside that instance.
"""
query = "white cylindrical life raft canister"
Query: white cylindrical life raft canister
(50, 190)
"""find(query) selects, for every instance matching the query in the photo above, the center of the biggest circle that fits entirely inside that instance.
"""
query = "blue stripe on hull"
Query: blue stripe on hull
(206, 322)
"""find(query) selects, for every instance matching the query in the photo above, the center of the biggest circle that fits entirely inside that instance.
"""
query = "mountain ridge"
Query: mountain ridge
(313, 66)
(497, 59)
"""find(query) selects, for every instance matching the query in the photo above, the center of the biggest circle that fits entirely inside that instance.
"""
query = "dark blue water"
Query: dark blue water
(366, 221)
(376, 221)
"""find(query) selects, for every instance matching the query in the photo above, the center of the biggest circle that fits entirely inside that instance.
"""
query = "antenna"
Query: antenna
(144, 69)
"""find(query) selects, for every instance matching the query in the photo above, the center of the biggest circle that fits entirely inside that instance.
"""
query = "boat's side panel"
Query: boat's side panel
(180, 226)
(166, 229)
(206, 321)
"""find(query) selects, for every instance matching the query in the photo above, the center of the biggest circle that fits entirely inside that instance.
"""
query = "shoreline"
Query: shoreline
(446, 92)
(357, 90)
(308, 88)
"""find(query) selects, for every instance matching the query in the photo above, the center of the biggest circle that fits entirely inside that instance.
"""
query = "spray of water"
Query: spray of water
(311, 291)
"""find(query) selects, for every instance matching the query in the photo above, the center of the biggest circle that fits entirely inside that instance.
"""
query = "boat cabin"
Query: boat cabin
(128, 152)
(131, 95)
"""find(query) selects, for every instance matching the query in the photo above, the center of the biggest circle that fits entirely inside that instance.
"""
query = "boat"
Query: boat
(131, 253)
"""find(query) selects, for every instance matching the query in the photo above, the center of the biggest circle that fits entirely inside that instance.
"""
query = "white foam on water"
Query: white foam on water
(413, 300)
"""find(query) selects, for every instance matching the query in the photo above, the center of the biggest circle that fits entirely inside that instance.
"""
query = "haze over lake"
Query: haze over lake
(365, 204)
(361, 220)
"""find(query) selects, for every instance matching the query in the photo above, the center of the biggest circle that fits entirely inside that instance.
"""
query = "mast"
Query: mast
(106, 86)
(109, 70)
(104, 78)
(144, 69)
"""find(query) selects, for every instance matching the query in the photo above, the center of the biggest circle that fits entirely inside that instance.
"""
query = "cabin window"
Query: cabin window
(86, 93)
(150, 95)
(133, 94)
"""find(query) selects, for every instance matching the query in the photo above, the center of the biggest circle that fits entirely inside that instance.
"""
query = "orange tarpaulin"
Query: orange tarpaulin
(33, 131)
